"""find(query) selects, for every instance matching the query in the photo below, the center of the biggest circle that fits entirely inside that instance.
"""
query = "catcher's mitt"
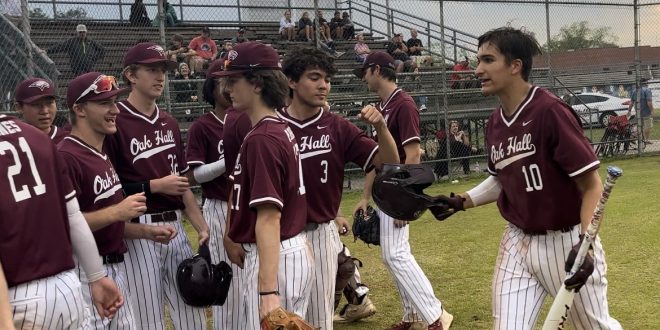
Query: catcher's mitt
(367, 226)
(281, 319)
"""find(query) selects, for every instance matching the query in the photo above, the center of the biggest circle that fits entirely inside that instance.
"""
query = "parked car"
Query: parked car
(600, 106)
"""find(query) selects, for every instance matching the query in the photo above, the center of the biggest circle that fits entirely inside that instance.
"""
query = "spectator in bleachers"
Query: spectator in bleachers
(361, 49)
(139, 16)
(205, 50)
(324, 28)
(240, 37)
(399, 51)
(83, 52)
(226, 47)
(415, 48)
(170, 16)
(349, 28)
(305, 27)
(287, 27)
(178, 52)
(337, 26)
(622, 92)
(459, 146)
(185, 92)
(462, 80)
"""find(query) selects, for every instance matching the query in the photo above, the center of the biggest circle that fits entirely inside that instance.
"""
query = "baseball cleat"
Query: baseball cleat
(443, 323)
(403, 325)
(351, 313)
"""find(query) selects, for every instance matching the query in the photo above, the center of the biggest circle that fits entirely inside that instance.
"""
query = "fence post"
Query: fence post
(638, 86)
(121, 12)
(238, 7)
(371, 22)
(389, 19)
(25, 23)
(180, 10)
(548, 39)
(317, 33)
(445, 102)
(428, 35)
(455, 46)
(54, 10)
(161, 30)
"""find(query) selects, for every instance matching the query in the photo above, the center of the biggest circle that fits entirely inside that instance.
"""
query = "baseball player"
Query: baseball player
(402, 118)
(35, 100)
(205, 156)
(268, 200)
(539, 160)
(327, 142)
(147, 153)
(93, 114)
(36, 252)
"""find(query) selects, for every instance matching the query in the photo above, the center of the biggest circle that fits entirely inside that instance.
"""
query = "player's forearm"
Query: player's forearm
(230, 199)
(486, 192)
(413, 153)
(102, 218)
(387, 152)
(135, 230)
(368, 185)
(267, 232)
(208, 172)
(193, 212)
(591, 187)
(5, 310)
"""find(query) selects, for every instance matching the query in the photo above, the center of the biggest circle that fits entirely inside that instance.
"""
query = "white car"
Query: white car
(599, 105)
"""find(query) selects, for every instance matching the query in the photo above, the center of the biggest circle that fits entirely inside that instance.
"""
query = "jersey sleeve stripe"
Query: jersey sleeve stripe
(414, 138)
(266, 200)
(584, 169)
(492, 172)
(195, 162)
(70, 195)
(368, 164)
(185, 170)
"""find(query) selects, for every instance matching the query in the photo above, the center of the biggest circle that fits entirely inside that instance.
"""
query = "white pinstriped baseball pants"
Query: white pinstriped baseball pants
(529, 267)
(228, 315)
(294, 278)
(54, 302)
(150, 269)
(124, 318)
(325, 245)
(415, 289)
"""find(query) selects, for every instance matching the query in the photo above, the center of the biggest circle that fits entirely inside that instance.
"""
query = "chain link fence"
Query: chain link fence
(595, 55)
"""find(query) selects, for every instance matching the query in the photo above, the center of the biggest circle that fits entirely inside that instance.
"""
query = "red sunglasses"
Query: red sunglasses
(102, 84)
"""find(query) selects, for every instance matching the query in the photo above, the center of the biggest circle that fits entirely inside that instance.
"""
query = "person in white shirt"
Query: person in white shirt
(287, 27)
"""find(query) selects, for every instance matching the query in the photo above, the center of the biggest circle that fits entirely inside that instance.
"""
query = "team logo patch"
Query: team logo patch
(41, 84)
(232, 55)
(158, 49)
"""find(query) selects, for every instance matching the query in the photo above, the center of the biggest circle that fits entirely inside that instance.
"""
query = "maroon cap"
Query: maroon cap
(92, 86)
(215, 66)
(250, 56)
(376, 58)
(148, 53)
(32, 89)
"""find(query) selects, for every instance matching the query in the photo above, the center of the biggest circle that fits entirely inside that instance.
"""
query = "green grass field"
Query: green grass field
(458, 255)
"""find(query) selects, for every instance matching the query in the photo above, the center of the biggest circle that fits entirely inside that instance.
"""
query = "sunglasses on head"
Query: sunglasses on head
(102, 84)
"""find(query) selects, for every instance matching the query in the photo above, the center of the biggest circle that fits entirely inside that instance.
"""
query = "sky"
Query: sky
(469, 16)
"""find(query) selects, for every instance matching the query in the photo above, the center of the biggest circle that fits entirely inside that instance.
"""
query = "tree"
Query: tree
(76, 14)
(580, 35)
(38, 13)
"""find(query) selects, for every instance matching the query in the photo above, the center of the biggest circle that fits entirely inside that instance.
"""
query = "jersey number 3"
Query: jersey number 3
(23, 193)
(532, 177)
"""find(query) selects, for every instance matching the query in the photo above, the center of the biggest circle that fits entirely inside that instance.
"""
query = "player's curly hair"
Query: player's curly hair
(207, 90)
(302, 59)
(513, 44)
(274, 86)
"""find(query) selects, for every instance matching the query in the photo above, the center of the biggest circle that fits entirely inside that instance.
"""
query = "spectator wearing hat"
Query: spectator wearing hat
(170, 16)
(139, 16)
(461, 80)
(35, 101)
(83, 52)
(205, 50)
(240, 37)
(399, 51)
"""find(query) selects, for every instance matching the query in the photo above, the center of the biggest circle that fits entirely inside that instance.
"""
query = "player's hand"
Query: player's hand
(235, 251)
(582, 275)
(267, 304)
(342, 225)
(361, 205)
(400, 223)
(160, 234)
(174, 185)
(203, 236)
(370, 115)
(131, 207)
(106, 297)
(193, 98)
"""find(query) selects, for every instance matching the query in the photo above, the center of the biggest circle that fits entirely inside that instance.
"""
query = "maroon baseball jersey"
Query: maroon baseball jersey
(268, 171)
(535, 155)
(97, 187)
(327, 142)
(146, 148)
(237, 125)
(57, 134)
(402, 117)
(34, 225)
(205, 146)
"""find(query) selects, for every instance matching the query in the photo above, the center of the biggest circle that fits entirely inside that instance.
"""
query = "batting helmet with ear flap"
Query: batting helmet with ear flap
(398, 190)
(201, 283)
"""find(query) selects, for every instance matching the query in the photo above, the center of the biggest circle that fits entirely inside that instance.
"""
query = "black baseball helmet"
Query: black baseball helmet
(201, 283)
(398, 190)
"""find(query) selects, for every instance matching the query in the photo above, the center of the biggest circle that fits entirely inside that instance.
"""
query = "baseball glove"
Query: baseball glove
(367, 226)
(281, 319)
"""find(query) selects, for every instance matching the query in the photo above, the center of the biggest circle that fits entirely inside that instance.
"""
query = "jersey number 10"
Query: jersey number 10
(532, 177)
(24, 193)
